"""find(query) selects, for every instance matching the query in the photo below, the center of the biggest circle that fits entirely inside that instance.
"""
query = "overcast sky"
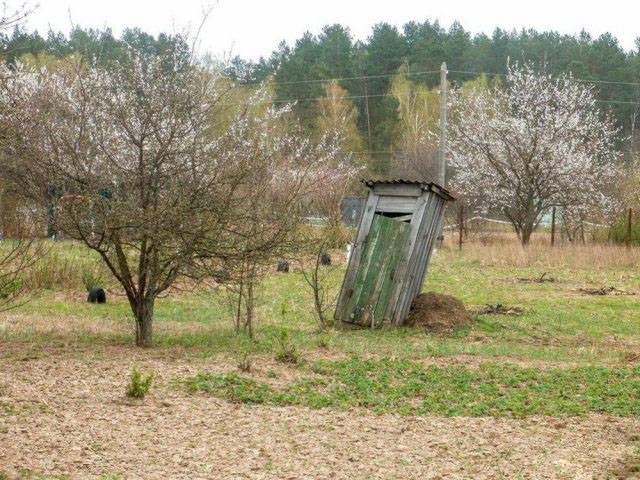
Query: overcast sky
(254, 28)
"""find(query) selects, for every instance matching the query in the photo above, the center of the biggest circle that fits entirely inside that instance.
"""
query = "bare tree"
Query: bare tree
(319, 281)
(16, 257)
(150, 167)
(286, 173)
(538, 143)
(13, 16)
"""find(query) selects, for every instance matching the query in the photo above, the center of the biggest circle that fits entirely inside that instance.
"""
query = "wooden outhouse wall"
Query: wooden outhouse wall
(385, 275)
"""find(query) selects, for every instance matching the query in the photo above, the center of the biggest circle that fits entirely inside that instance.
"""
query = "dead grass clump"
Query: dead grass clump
(499, 309)
(541, 279)
(604, 291)
(508, 252)
(438, 312)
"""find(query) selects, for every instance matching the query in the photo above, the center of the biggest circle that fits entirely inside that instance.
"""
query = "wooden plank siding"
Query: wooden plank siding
(356, 253)
(393, 246)
(374, 278)
(397, 204)
(420, 257)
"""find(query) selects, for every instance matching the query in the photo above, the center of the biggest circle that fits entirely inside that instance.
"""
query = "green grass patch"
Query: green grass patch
(406, 387)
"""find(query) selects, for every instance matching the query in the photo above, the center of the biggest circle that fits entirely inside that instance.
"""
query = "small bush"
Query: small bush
(138, 387)
(10, 287)
(244, 363)
(92, 278)
(620, 228)
(286, 351)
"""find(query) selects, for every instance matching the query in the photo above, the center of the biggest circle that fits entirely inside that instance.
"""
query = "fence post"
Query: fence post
(460, 225)
(553, 226)
(629, 225)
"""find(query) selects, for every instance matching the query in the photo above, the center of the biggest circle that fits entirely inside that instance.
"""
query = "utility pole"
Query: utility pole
(442, 168)
(553, 226)
(629, 226)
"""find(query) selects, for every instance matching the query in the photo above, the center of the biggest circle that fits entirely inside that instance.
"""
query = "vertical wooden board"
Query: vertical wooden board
(363, 306)
(432, 222)
(356, 254)
(360, 280)
(373, 279)
(403, 265)
(392, 257)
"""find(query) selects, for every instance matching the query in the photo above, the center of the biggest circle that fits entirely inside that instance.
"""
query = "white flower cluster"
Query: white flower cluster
(537, 142)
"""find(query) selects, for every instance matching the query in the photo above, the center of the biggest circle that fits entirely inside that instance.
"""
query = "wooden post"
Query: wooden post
(442, 164)
(629, 225)
(553, 226)
(460, 225)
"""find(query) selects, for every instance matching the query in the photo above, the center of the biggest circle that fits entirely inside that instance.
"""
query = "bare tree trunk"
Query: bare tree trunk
(143, 309)
(239, 306)
(460, 225)
(525, 234)
(249, 307)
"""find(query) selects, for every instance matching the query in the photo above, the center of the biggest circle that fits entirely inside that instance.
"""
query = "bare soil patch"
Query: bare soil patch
(438, 312)
(66, 414)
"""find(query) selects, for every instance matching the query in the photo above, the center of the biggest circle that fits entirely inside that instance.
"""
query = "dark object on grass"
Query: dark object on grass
(97, 295)
(605, 291)
(283, 266)
(499, 309)
(542, 279)
(325, 259)
(437, 312)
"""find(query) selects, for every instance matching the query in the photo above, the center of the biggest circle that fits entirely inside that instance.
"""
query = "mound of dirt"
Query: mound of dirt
(437, 312)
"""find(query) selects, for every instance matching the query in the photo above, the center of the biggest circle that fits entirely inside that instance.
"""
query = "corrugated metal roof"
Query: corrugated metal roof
(430, 186)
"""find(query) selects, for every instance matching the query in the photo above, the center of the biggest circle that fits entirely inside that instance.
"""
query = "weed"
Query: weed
(231, 387)
(10, 287)
(286, 351)
(138, 387)
(92, 278)
(244, 364)
(408, 388)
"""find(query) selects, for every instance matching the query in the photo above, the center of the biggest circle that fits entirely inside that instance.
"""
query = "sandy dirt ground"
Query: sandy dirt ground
(63, 412)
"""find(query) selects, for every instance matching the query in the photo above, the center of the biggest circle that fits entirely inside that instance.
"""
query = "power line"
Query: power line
(361, 77)
(429, 72)
(611, 82)
(623, 102)
(378, 95)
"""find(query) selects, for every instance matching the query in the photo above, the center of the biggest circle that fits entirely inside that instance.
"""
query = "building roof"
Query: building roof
(424, 185)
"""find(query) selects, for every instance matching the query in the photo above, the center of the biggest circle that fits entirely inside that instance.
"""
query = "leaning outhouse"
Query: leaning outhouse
(398, 228)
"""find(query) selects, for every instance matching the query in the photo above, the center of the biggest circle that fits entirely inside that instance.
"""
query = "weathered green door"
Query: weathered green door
(374, 278)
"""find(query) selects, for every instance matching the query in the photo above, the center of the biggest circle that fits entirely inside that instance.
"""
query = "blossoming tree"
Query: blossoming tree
(151, 165)
(537, 143)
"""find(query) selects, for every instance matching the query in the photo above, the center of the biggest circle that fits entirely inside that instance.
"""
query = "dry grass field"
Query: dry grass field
(551, 393)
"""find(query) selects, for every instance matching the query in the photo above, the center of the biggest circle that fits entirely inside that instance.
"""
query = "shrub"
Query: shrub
(620, 228)
(92, 278)
(244, 363)
(138, 387)
(10, 287)
(286, 351)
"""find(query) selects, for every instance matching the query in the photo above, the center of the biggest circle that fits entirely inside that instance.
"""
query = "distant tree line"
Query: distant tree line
(422, 47)
(367, 69)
